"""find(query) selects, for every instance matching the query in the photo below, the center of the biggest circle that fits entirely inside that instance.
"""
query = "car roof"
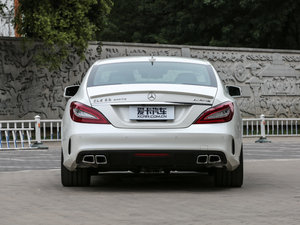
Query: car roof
(151, 58)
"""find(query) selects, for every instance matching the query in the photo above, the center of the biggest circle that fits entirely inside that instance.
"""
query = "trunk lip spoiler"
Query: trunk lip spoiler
(154, 103)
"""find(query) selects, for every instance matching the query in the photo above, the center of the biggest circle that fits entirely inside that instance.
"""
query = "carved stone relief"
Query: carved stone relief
(27, 90)
(109, 51)
(270, 80)
(6, 19)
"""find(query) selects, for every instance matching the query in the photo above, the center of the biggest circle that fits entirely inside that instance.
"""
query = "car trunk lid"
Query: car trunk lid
(184, 103)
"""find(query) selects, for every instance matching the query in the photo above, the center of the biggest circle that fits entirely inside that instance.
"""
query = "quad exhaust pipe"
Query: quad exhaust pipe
(214, 159)
(89, 159)
(94, 159)
(208, 159)
(101, 159)
(202, 159)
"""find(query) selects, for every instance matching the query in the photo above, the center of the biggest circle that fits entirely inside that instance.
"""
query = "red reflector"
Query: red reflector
(151, 154)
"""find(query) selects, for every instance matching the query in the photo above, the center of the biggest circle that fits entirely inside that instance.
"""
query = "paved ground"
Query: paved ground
(31, 193)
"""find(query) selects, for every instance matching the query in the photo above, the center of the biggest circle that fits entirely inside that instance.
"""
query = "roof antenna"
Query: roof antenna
(152, 59)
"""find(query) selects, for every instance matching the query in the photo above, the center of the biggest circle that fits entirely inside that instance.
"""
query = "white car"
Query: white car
(152, 114)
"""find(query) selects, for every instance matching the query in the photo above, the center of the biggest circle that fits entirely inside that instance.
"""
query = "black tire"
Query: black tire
(224, 178)
(78, 178)
(237, 176)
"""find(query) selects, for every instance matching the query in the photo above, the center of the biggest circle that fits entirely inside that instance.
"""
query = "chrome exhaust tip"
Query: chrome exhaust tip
(89, 159)
(214, 159)
(202, 159)
(101, 159)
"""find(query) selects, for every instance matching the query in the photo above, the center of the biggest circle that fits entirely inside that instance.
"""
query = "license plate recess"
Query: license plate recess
(153, 112)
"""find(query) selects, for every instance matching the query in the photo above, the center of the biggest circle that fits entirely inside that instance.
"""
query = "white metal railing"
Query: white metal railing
(257, 127)
(23, 133)
(20, 134)
(51, 130)
(16, 133)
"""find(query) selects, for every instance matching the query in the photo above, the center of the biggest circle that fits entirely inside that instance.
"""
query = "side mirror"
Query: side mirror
(70, 91)
(234, 91)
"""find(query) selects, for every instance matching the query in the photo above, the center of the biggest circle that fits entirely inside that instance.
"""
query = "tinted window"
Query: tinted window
(146, 73)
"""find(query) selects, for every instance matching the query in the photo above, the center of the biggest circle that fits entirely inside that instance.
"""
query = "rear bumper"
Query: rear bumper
(140, 160)
(183, 145)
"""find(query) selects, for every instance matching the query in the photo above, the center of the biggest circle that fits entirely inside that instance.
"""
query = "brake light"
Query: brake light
(218, 114)
(151, 154)
(84, 114)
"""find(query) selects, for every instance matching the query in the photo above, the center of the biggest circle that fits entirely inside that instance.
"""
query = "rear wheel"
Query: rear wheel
(224, 178)
(78, 178)
(237, 176)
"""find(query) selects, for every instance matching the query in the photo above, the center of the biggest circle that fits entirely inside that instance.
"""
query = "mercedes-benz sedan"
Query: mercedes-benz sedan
(152, 114)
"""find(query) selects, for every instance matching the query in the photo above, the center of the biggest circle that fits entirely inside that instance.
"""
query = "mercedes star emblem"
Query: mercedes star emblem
(151, 96)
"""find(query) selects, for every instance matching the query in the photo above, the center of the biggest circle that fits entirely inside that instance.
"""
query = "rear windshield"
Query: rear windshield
(148, 73)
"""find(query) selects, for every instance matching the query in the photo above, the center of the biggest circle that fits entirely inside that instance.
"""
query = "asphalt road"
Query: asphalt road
(31, 192)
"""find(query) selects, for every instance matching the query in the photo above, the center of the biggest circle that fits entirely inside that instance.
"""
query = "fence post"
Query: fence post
(38, 140)
(263, 138)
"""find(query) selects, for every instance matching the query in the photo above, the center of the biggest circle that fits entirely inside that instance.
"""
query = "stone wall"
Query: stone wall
(270, 79)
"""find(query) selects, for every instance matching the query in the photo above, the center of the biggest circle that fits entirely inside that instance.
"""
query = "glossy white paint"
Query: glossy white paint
(189, 102)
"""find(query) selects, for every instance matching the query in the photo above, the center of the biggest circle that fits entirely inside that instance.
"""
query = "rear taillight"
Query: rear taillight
(218, 114)
(84, 114)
